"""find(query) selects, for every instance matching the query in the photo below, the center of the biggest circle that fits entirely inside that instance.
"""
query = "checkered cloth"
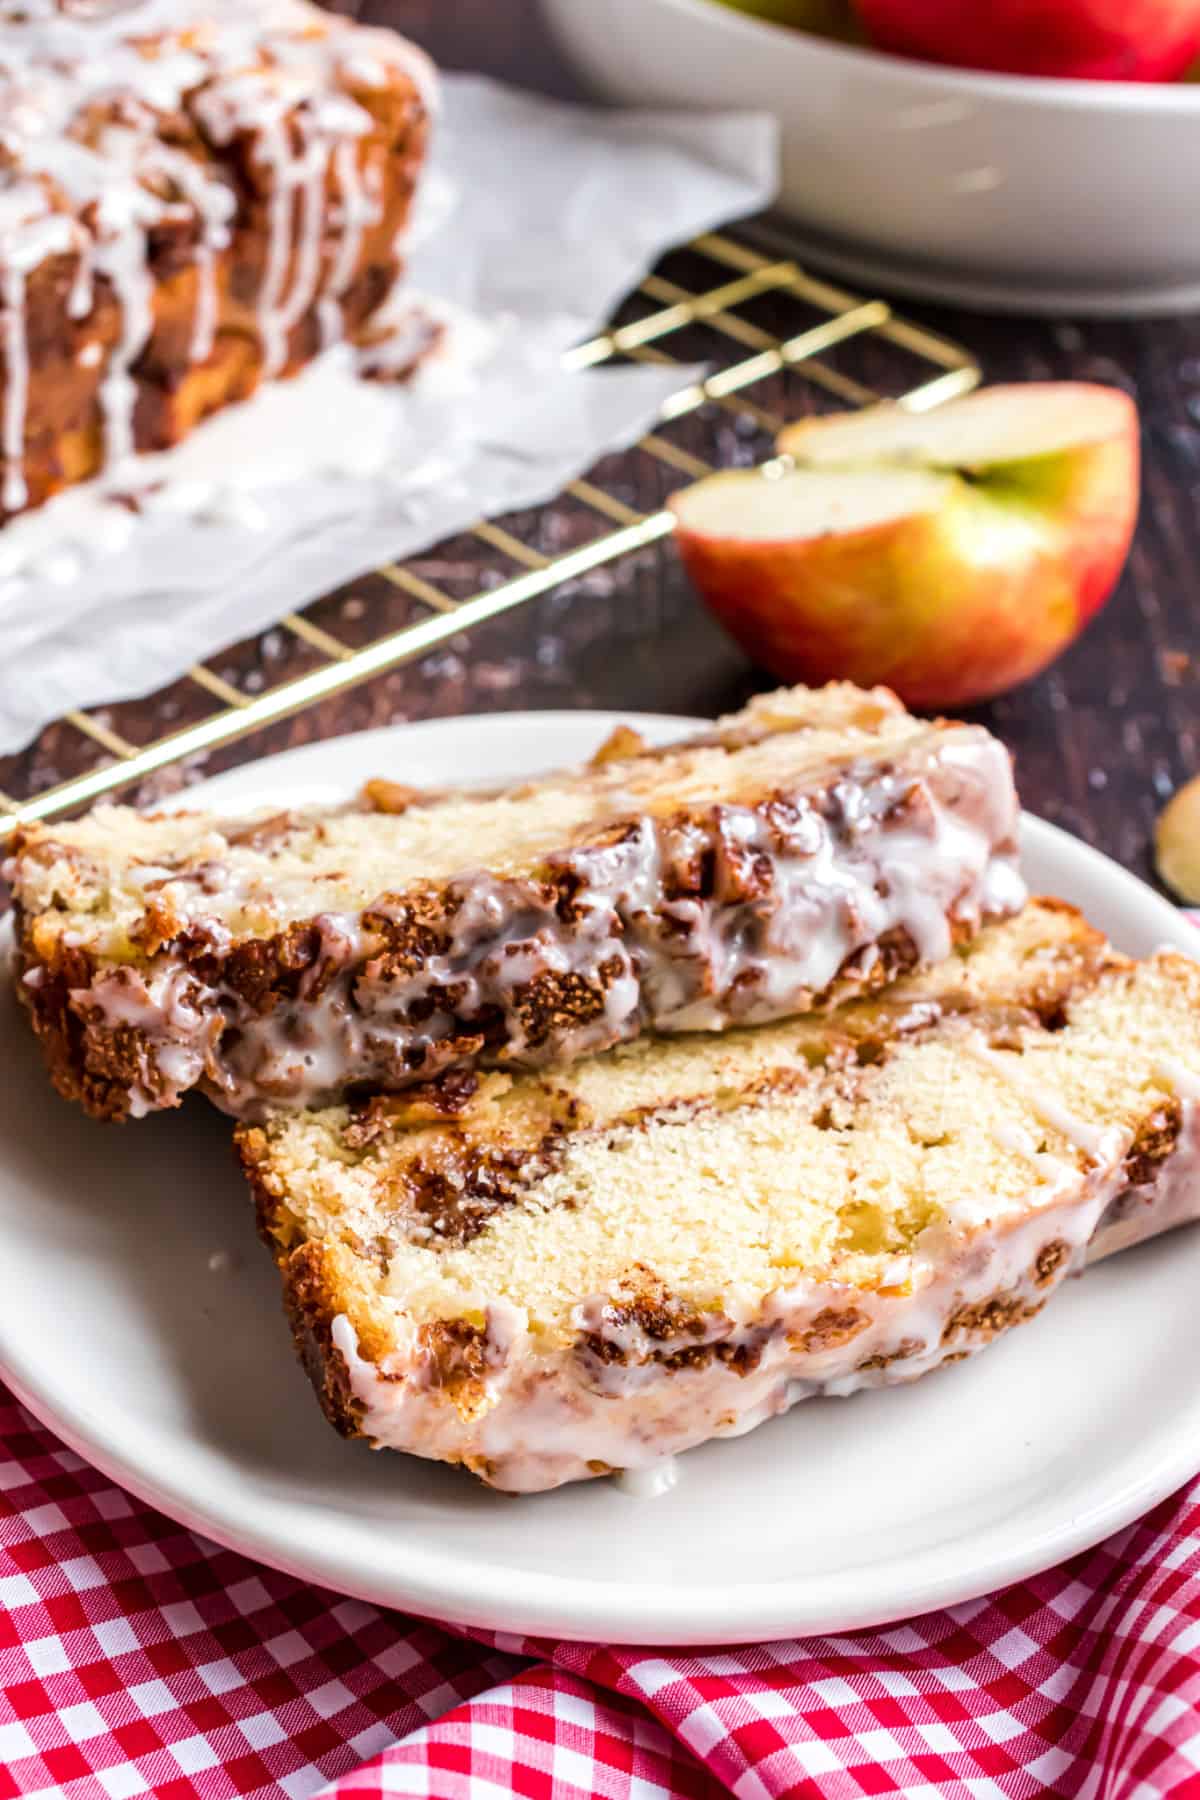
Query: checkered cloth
(137, 1658)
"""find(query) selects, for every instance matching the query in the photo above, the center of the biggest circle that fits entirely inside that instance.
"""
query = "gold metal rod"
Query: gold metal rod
(223, 691)
(608, 504)
(674, 457)
(741, 407)
(424, 591)
(293, 696)
(739, 256)
(685, 309)
(940, 388)
(755, 338)
(509, 546)
(741, 330)
(843, 386)
(770, 362)
(685, 306)
(324, 641)
(100, 734)
(818, 293)
(727, 250)
(928, 344)
(799, 348)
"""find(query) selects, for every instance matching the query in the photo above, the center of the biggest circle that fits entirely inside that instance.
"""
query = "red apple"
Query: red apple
(948, 554)
(1096, 40)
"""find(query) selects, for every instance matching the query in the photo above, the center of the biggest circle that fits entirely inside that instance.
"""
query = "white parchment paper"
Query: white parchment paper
(539, 217)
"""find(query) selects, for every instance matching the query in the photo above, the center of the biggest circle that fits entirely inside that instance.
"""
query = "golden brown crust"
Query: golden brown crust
(313, 1299)
(394, 797)
(1155, 1141)
(320, 1284)
(989, 1318)
(96, 1069)
(276, 1228)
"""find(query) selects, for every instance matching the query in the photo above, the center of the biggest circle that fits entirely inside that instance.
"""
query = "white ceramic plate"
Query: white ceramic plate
(1031, 195)
(141, 1321)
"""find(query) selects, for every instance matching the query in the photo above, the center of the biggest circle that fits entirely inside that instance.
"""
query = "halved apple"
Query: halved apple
(948, 554)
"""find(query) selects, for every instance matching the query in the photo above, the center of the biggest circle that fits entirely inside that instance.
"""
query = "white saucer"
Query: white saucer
(141, 1322)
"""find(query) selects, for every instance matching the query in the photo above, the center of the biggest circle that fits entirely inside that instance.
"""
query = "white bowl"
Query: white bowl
(1034, 195)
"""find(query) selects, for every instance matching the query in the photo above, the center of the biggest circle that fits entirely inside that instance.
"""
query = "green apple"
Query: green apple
(948, 554)
(824, 18)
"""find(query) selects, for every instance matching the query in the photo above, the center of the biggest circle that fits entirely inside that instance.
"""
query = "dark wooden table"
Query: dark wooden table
(1100, 740)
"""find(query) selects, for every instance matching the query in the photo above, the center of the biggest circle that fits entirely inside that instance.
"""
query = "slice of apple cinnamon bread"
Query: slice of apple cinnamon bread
(809, 847)
(554, 1275)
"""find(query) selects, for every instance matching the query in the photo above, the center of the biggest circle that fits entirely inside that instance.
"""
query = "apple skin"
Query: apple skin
(948, 606)
(821, 18)
(1091, 40)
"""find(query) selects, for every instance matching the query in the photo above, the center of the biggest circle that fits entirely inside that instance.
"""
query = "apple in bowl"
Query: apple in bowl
(823, 18)
(1096, 40)
(949, 554)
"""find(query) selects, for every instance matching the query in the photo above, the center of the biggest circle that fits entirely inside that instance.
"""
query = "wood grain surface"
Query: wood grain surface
(1100, 741)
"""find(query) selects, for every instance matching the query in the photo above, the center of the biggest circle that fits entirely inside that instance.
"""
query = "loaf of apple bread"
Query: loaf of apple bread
(813, 846)
(551, 1276)
(194, 196)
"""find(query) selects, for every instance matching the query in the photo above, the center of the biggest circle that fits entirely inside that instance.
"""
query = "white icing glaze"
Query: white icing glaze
(839, 886)
(214, 205)
(1172, 1198)
(648, 1484)
(124, 215)
(16, 387)
(80, 97)
(359, 207)
(563, 1415)
(1178, 1078)
(1022, 1143)
(1048, 1107)
(346, 1344)
(169, 1003)
(34, 234)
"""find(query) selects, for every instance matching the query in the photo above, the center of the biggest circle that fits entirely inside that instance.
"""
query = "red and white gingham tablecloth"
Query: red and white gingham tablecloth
(137, 1658)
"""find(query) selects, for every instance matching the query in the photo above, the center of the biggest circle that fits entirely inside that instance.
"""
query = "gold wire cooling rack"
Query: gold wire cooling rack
(727, 276)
